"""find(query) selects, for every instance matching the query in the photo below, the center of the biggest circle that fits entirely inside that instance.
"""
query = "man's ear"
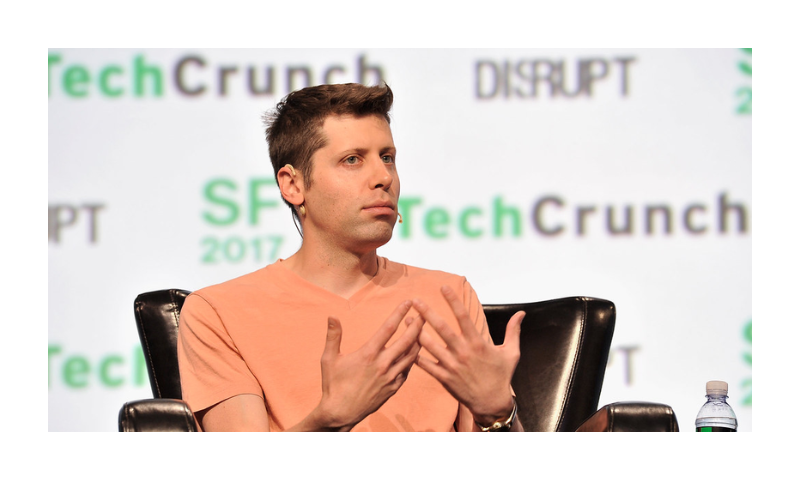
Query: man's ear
(291, 185)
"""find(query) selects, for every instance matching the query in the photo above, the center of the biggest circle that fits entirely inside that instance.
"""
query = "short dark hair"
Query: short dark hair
(294, 127)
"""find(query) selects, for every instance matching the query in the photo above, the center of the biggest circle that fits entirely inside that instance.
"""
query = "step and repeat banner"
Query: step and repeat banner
(622, 174)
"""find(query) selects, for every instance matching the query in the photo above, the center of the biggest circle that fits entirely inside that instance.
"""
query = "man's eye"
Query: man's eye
(351, 160)
(388, 159)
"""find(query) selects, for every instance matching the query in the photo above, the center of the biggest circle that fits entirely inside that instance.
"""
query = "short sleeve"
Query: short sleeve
(211, 367)
(475, 309)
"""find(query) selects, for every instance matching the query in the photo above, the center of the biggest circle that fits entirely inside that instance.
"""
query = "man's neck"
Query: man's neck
(339, 272)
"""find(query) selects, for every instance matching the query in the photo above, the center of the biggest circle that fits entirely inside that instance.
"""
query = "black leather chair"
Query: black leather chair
(564, 350)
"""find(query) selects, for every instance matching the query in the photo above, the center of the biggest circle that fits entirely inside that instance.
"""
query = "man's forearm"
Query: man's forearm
(317, 421)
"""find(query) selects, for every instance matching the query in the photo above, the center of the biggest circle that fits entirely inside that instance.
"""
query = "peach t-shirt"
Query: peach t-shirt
(264, 334)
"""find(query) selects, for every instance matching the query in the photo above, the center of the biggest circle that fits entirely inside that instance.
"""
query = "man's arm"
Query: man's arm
(353, 385)
(241, 413)
(474, 370)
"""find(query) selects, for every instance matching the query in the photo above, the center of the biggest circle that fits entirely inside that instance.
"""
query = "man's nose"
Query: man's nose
(381, 175)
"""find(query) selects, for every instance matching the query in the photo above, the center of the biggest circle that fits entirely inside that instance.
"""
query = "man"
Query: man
(402, 348)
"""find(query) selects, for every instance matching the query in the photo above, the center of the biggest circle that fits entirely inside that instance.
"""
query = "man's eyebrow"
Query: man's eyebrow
(363, 151)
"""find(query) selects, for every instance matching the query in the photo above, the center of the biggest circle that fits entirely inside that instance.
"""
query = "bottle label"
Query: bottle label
(715, 429)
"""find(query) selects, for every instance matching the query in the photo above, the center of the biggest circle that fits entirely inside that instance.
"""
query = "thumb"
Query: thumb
(513, 329)
(334, 339)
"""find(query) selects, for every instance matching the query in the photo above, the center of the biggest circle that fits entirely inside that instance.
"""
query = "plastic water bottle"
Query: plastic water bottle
(716, 415)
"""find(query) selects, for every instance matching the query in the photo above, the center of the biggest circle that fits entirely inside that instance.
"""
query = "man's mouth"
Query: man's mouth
(381, 208)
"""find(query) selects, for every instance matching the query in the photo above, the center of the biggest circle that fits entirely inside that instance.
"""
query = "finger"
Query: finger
(439, 325)
(387, 329)
(513, 329)
(412, 349)
(434, 369)
(435, 348)
(399, 380)
(409, 338)
(468, 329)
(333, 341)
(405, 362)
(415, 346)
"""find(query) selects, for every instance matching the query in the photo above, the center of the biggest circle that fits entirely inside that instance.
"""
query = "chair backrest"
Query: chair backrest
(564, 350)
(157, 315)
(564, 347)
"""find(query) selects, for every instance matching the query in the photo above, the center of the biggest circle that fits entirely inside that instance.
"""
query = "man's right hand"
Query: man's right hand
(357, 384)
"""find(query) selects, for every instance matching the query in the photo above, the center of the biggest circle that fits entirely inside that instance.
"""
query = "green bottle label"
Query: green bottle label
(714, 429)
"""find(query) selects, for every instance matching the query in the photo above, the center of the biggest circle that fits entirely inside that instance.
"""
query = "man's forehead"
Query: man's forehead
(347, 118)
(344, 128)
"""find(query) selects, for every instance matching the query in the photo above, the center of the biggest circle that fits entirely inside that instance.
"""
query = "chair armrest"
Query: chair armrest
(632, 417)
(156, 415)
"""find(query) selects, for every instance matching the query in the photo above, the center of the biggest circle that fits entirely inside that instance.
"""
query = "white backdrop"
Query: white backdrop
(617, 173)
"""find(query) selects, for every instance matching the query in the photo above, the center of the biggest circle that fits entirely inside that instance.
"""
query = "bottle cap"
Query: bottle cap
(716, 387)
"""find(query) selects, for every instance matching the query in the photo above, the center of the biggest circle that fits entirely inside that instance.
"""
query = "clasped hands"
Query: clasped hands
(474, 370)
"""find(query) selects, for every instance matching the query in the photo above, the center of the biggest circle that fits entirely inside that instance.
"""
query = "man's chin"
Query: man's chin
(378, 237)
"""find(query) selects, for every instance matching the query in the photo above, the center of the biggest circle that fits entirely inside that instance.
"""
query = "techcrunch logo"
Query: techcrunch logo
(256, 202)
(554, 216)
(77, 371)
(194, 76)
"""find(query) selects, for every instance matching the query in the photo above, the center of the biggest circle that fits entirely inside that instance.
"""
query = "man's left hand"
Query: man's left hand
(474, 370)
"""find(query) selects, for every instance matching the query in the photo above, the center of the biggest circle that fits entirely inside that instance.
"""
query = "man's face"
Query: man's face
(353, 199)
